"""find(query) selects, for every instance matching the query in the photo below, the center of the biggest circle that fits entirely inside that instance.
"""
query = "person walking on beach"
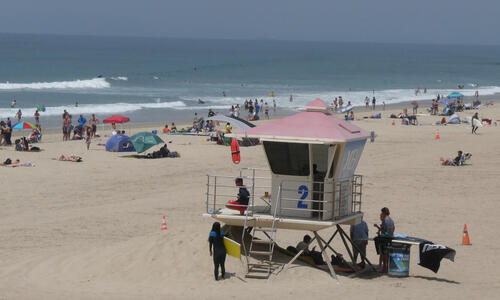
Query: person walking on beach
(373, 102)
(367, 102)
(217, 250)
(274, 107)
(19, 115)
(266, 111)
(475, 122)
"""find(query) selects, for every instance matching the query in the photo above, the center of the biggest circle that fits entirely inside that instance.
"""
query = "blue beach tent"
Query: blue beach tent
(455, 95)
(119, 143)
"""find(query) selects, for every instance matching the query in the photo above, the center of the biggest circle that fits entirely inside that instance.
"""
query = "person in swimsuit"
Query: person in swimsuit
(217, 250)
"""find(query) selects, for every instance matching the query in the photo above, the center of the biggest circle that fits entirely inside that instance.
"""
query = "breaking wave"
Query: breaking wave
(94, 83)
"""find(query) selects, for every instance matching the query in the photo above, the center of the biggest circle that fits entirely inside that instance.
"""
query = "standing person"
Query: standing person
(257, 108)
(341, 102)
(88, 137)
(9, 122)
(216, 242)
(6, 131)
(367, 102)
(250, 110)
(373, 103)
(3, 127)
(13, 103)
(237, 111)
(19, 115)
(291, 98)
(475, 121)
(274, 107)
(386, 229)
(335, 103)
(359, 237)
(246, 104)
(266, 111)
(93, 122)
(415, 107)
(37, 117)
(82, 122)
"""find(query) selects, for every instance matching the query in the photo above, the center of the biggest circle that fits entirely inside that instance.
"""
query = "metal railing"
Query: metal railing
(342, 197)
(222, 189)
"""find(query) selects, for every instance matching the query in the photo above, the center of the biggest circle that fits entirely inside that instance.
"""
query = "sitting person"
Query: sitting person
(72, 158)
(166, 130)
(19, 146)
(163, 152)
(35, 136)
(304, 247)
(241, 203)
(173, 128)
(453, 162)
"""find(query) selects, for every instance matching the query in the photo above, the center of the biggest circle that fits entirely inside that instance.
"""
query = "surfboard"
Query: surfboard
(232, 248)
(345, 109)
(235, 151)
(477, 123)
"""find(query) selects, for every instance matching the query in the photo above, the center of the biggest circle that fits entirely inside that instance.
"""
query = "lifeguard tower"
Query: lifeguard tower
(312, 157)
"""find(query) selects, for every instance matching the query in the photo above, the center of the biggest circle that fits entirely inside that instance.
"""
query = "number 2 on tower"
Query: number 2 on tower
(304, 191)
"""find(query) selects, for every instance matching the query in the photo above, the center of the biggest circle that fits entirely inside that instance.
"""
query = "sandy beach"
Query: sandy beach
(91, 230)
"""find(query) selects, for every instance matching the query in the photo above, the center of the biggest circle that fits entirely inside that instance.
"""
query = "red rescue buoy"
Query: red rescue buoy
(235, 151)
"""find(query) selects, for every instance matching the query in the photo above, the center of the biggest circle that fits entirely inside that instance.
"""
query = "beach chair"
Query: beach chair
(465, 157)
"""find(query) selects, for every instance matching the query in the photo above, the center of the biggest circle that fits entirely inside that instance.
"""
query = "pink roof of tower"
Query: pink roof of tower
(315, 124)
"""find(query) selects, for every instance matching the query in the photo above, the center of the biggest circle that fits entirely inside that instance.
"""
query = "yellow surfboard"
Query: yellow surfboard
(232, 248)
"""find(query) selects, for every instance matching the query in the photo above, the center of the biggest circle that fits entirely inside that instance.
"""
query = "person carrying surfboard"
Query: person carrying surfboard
(216, 242)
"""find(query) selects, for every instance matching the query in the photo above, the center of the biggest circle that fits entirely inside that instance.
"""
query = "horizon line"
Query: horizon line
(246, 39)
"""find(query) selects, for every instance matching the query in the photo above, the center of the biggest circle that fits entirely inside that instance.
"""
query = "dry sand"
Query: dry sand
(91, 230)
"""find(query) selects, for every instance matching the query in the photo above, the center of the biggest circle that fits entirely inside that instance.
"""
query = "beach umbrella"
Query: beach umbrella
(116, 119)
(24, 125)
(236, 122)
(455, 95)
(142, 141)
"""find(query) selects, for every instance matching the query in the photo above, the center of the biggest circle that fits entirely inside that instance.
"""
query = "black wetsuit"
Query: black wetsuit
(219, 253)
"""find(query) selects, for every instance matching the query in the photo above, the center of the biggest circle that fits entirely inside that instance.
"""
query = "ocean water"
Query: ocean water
(161, 80)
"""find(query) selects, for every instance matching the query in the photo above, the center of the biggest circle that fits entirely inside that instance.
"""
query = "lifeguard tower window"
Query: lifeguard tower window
(288, 158)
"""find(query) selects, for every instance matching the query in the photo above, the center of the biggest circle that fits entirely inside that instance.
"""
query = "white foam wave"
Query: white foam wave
(357, 98)
(111, 108)
(123, 78)
(94, 83)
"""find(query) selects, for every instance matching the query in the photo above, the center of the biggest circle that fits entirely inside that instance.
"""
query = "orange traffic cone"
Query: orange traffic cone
(164, 224)
(465, 238)
(393, 123)
(437, 135)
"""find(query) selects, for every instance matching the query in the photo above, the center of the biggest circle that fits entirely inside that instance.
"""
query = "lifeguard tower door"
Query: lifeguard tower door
(328, 159)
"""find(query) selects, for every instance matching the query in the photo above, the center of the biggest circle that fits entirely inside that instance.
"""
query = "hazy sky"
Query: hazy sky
(421, 21)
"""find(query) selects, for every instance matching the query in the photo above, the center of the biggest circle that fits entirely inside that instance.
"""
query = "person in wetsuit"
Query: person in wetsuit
(216, 242)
